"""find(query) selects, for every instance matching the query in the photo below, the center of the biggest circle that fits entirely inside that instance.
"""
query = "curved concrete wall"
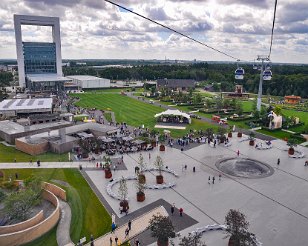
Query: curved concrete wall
(56, 190)
(27, 235)
(22, 225)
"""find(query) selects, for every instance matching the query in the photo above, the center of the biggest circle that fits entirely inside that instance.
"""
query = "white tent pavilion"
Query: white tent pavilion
(173, 113)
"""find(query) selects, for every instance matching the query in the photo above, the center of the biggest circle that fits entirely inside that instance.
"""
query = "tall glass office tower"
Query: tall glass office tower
(39, 57)
(39, 63)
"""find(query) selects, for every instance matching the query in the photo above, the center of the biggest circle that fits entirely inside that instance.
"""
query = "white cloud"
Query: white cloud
(97, 29)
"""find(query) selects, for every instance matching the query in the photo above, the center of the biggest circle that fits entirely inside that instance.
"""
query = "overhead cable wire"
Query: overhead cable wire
(272, 36)
(173, 30)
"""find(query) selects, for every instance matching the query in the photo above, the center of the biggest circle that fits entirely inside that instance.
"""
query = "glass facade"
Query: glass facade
(39, 57)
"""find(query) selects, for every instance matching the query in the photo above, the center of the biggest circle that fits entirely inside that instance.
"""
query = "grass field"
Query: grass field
(8, 154)
(88, 214)
(303, 116)
(126, 109)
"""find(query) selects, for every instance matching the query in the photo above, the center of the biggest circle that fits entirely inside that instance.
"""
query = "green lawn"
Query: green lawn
(88, 214)
(8, 154)
(277, 134)
(303, 116)
(247, 106)
(126, 109)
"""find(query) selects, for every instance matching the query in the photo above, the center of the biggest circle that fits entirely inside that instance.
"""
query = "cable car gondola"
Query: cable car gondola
(267, 75)
(239, 73)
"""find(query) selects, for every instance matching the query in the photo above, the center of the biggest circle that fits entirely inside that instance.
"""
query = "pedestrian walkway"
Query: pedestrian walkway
(63, 229)
(139, 225)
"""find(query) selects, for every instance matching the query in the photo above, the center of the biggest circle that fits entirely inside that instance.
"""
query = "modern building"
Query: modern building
(176, 84)
(10, 130)
(292, 99)
(62, 140)
(15, 107)
(86, 82)
(39, 63)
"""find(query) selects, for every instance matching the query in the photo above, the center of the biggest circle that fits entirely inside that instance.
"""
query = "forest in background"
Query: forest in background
(287, 79)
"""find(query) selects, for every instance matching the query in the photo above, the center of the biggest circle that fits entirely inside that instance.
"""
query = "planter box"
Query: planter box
(159, 179)
(108, 174)
(239, 134)
(230, 135)
(291, 151)
(140, 197)
(162, 147)
(251, 142)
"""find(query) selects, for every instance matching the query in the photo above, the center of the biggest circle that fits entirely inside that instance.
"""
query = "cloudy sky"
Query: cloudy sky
(96, 29)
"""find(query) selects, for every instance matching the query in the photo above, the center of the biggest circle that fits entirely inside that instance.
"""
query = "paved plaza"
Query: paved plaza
(275, 206)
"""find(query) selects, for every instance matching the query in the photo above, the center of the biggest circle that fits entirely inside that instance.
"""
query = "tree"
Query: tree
(209, 133)
(278, 110)
(123, 191)
(141, 163)
(142, 166)
(161, 228)
(159, 164)
(18, 204)
(237, 227)
(193, 239)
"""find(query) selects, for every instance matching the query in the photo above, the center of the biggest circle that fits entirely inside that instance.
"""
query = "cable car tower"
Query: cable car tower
(265, 74)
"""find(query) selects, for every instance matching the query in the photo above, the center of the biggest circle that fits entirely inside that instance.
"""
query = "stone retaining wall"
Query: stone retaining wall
(27, 235)
(59, 192)
(22, 225)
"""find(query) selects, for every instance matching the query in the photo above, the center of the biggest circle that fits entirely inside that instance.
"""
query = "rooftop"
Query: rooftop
(26, 104)
(11, 127)
(84, 77)
(45, 77)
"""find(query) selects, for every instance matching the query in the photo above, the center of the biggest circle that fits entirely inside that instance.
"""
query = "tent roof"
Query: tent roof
(174, 112)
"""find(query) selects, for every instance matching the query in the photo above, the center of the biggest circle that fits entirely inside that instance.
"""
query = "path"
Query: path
(139, 225)
(63, 228)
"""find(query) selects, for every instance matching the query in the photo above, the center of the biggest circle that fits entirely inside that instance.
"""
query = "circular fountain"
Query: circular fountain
(244, 167)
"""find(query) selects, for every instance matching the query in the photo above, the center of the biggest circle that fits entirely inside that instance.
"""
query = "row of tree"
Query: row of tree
(287, 79)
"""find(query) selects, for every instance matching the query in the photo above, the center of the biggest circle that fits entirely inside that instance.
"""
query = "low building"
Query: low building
(238, 93)
(176, 84)
(62, 140)
(292, 99)
(10, 130)
(14, 107)
(86, 82)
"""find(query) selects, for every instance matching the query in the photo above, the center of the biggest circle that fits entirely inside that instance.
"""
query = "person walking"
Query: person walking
(126, 232)
(137, 242)
(181, 212)
(172, 209)
(278, 161)
(219, 177)
(149, 156)
(92, 240)
(306, 163)
(209, 182)
(213, 179)
(116, 240)
(194, 169)
(129, 225)
(110, 240)
(113, 227)
(238, 152)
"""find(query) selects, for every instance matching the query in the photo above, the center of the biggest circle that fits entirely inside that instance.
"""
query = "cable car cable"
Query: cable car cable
(173, 30)
(272, 36)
